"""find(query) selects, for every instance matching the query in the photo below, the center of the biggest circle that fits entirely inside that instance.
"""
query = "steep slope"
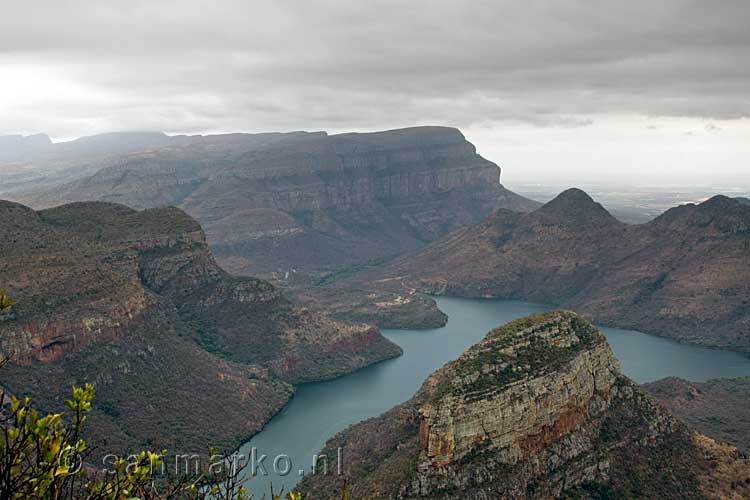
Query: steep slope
(683, 275)
(717, 408)
(308, 202)
(134, 303)
(536, 410)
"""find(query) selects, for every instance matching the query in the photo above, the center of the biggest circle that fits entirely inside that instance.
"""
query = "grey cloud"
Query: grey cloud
(227, 65)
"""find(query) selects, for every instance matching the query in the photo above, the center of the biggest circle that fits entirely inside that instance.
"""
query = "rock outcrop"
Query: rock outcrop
(682, 275)
(308, 202)
(536, 410)
(134, 303)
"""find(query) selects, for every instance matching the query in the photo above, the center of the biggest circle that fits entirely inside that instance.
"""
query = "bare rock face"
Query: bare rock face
(311, 202)
(682, 275)
(537, 410)
(529, 412)
(133, 302)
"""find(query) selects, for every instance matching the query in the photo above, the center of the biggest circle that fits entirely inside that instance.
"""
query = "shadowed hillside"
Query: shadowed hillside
(684, 275)
(182, 355)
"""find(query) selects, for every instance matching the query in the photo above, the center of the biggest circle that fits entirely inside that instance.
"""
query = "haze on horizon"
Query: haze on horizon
(554, 92)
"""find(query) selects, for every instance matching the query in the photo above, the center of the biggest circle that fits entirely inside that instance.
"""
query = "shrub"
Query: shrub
(41, 458)
(5, 302)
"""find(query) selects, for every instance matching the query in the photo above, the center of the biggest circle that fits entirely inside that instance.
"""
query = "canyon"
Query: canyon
(182, 355)
(538, 409)
(294, 202)
(683, 275)
(299, 209)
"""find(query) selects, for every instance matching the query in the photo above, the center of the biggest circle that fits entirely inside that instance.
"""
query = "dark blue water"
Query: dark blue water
(320, 410)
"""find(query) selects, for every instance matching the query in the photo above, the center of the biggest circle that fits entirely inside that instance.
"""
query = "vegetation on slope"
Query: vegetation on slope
(43, 457)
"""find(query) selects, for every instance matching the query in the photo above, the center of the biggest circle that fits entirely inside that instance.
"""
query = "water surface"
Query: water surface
(319, 410)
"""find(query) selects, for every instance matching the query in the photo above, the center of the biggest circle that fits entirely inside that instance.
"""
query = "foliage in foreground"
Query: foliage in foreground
(41, 459)
(5, 302)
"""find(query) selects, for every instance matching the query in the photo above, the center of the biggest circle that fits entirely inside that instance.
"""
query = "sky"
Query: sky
(563, 92)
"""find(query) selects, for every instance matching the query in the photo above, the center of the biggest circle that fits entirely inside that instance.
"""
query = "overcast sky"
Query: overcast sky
(556, 91)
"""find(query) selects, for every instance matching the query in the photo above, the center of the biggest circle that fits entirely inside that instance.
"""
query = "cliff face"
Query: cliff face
(537, 410)
(307, 201)
(682, 275)
(135, 303)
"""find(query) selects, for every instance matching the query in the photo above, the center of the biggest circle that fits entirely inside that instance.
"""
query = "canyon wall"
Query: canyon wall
(133, 302)
(305, 202)
(537, 410)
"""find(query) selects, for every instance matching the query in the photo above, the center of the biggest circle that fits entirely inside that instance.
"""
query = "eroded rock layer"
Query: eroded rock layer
(182, 355)
(308, 202)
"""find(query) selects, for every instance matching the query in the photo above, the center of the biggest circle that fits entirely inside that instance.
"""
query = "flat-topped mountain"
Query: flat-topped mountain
(305, 202)
(40, 148)
(182, 355)
(682, 275)
(16, 147)
(537, 410)
(34, 163)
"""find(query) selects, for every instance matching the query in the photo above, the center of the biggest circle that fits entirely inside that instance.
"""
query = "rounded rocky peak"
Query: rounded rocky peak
(720, 212)
(525, 348)
(12, 205)
(565, 325)
(719, 202)
(575, 206)
(572, 197)
(16, 213)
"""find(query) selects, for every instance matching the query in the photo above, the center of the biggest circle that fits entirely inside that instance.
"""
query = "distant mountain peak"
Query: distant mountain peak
(574, 206)
(722, 212)
(719, 202)
(29, 139)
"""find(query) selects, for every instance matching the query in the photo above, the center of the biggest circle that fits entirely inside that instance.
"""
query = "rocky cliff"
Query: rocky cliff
(134, 303)
(305, 202)
(537, 410)
(682, 275)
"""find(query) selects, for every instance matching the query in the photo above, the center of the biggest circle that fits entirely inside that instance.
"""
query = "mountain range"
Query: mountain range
(293, 202)
(115, 287)
(683, 275)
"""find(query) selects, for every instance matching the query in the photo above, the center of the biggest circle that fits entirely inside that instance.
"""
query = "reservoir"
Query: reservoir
(319, 410)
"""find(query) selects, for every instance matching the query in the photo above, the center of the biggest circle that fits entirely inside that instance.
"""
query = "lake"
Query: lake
(319, 410)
